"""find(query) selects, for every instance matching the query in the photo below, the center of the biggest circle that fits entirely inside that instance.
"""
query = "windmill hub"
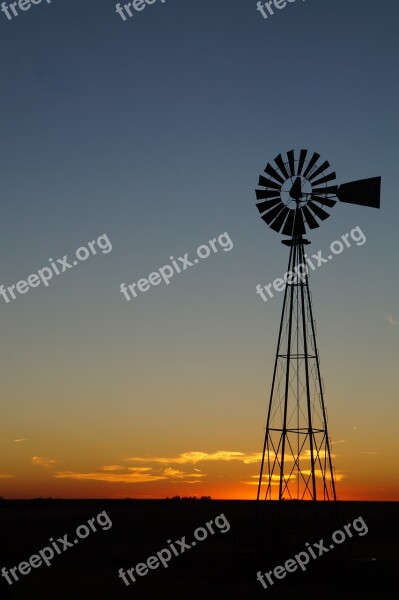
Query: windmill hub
(296, 190)
(296, 194)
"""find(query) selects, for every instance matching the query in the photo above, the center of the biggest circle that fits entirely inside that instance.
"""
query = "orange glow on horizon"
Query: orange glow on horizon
(216, 490)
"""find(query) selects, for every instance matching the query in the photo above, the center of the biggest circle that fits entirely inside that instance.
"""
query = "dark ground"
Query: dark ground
(224, 564)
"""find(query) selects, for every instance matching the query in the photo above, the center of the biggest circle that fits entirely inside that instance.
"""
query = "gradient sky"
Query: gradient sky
(153, 131)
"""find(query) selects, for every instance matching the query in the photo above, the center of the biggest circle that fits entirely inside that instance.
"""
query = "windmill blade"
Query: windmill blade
(311, 221)
(289, 224)
(273, 213)
(299, 226)
(269, 183)
(263, 194)
(319, 212)
(280, 163)
(273, 173)
(279, 222)
(311, 164)
(329, 189)
(322, 168)
(325, 179)
(325, 201)
(365, 192)
(302, 158)
(291, 161)
(264, 206)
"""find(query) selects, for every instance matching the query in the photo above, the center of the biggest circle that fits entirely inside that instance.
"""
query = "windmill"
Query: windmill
(296, 462)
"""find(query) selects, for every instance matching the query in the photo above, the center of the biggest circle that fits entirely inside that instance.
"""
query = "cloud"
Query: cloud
(112, 468)
(113, 474)
(175, 473)
(319, 474)
(220, 455)
(169, 472)
(196, 457)
(43, 461)
(139, 469)
(6, 476)
(21, 440)
(391, 320)
(170, 468)
(275, 479)
(373, 453)
(322, 454)
(134, 476)
(194, 481)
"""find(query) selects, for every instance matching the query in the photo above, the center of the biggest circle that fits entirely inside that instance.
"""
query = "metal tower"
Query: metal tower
(297, 448)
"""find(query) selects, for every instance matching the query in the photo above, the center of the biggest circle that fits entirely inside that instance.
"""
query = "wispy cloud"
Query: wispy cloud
(156, 468)
(196, 457)
(193, 481)
(21, 440)
(136, 476)
(139, 469)
(43, 461)
(114, 474)
(275, 479)
(176, 473)
(319, 474)
(373, 453)
(112, 468)
(322, 454)
(218, 456)
(391, 319)
(6, 476)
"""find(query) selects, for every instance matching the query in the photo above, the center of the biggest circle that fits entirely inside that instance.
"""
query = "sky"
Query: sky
(148, 135)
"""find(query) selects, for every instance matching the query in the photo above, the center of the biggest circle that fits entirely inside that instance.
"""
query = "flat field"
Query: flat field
(222, 565)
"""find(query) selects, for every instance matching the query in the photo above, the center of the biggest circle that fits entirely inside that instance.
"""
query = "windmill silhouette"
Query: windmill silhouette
(297, 458)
